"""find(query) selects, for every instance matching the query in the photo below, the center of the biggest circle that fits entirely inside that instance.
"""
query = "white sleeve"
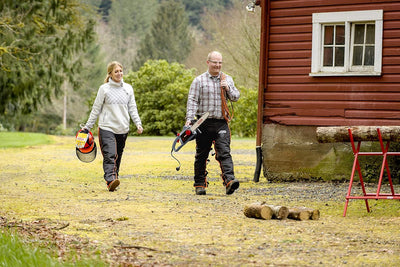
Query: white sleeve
(132, 109)
(96, 109)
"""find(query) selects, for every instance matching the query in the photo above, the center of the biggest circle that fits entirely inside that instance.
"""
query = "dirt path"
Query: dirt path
(155, 218)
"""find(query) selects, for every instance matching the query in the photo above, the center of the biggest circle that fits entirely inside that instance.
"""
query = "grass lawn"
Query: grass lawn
(15, 252)
(155, 219)
(22, 139)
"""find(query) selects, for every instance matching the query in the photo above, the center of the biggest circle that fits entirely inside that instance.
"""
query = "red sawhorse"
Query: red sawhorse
(356, 167)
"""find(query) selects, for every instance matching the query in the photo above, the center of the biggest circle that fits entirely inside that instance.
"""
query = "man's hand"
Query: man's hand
(224, 85)
(139, 129)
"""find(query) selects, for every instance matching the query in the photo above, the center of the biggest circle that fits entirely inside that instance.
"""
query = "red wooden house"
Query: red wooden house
(323, 63)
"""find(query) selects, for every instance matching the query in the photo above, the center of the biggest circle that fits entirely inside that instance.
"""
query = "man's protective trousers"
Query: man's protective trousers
(213, 131)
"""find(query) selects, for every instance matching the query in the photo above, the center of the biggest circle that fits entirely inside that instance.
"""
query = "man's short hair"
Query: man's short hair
(211, 53)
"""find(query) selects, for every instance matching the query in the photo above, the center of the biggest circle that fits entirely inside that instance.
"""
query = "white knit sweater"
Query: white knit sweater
(114, 103)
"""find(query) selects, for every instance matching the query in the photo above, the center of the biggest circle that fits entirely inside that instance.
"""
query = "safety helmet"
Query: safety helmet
(86, 149)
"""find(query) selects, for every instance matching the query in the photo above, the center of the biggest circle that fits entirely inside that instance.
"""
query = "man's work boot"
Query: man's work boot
(232, 186)
(200, 190)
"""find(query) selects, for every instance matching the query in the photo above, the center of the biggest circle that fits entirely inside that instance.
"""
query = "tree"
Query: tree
(196, 9)
(48, 117)
(161, 94)
(128, 23)
(132, 17)
(104, 8)
(244, 122)
(169, 37)
(236, 34)
(38, 41)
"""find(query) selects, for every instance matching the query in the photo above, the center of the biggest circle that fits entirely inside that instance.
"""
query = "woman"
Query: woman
(115, 102)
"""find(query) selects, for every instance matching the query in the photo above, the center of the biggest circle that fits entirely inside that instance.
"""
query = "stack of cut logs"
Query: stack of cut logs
(267, 212)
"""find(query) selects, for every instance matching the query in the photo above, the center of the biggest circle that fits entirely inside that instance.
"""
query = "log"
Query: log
(279, 212)
(303, 213)
(360, 133)
(299, 215)
(314, 214)
(258, 211)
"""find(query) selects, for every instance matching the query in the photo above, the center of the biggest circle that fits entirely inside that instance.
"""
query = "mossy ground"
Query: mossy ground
(156, 211)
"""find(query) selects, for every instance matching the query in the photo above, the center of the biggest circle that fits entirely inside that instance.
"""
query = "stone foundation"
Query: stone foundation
(292, 153)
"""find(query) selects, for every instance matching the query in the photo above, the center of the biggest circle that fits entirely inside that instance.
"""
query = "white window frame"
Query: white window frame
(348, 18)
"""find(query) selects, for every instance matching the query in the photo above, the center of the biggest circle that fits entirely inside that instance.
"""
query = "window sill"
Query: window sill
(322, 74)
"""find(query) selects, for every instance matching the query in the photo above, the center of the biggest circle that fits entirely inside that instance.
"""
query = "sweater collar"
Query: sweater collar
(112, 83)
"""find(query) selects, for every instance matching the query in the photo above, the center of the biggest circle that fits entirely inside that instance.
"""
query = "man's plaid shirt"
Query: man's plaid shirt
(205, 95)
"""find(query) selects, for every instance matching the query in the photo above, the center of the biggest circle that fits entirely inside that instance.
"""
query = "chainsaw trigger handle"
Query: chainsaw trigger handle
(187, 134)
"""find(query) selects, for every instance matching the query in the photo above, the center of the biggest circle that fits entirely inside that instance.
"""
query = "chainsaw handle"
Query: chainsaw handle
(188, 133)
(182, 140)
(174, 144)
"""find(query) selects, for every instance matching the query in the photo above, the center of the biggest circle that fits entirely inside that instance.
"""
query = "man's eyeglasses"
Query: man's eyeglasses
(216, 62)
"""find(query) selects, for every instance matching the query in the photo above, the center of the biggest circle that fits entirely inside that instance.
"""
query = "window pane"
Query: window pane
(357, 55)
(369, 56)
(370, 34)
(359, 34)
(340, 35)
(328, 39)
(328, 56)
(339, 56)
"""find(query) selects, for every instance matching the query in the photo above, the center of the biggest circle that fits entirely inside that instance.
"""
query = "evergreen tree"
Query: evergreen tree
(39, 39)
(104, 8)
(132, 17)
(129, 21)
(196, 8)
(169, 38)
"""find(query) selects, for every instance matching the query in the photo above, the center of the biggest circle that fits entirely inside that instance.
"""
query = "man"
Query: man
(209, 92)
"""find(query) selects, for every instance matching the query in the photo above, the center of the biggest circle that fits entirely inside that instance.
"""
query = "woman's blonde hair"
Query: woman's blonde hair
(110, 68)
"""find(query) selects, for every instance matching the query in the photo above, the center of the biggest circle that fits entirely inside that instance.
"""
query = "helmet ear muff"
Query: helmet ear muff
(90, 139)
(89, 151)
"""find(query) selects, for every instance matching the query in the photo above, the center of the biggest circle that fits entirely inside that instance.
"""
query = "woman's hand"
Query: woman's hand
(139, 129)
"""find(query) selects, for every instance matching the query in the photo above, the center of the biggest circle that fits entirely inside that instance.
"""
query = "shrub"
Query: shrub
(161, 91)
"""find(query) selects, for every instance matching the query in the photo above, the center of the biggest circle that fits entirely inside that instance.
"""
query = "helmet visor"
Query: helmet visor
(87, 157)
